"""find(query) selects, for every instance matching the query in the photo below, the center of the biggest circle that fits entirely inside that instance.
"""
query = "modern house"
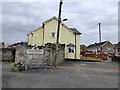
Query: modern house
(117, 49)
(106, 47)
(47, 33)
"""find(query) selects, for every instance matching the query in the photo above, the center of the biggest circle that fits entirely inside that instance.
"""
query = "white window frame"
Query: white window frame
(71, 49)
(53, 35)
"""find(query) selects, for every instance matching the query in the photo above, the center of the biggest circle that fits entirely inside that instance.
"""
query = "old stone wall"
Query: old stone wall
(7, 54)
(45, 59)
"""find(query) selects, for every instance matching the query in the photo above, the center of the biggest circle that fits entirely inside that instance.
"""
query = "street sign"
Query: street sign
(34, 51)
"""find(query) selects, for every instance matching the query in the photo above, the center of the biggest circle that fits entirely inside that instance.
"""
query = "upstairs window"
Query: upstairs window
(53, 35)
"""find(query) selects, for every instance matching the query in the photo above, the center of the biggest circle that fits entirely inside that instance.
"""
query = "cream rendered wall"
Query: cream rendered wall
(77, 46)
(37, 37)
(67, 37)
(48, 29)
(29, 39)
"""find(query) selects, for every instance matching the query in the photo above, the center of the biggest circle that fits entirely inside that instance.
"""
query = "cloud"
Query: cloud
(20, 18)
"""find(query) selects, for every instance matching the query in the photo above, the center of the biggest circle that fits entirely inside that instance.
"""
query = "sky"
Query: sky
(19, 17)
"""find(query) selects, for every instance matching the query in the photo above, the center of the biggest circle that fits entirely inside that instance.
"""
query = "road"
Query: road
(0, 75)
(71, 74)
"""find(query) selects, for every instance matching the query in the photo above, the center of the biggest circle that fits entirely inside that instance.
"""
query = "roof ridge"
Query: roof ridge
(75, 31)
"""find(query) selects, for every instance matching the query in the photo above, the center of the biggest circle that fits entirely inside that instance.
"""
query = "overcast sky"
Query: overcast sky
(20, 18)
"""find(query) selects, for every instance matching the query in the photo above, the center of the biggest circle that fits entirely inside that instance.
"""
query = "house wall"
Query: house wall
(92, 49)
(78, 47)
(65, 37)
(29, 39)
(36, 38)
(108, 48)
(48, 29)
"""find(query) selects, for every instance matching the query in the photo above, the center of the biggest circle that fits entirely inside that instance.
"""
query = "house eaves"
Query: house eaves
(35, 30)
(106, 43)
(97, 45)
(73, 30)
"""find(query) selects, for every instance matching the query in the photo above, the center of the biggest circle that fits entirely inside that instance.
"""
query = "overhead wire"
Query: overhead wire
(87, 13)
(91, 27)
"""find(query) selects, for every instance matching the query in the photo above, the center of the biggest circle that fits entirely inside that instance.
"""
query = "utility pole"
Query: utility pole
(59, 21)
(58, 30)
(100, 36)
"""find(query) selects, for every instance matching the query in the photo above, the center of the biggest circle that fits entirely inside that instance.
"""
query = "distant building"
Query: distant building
(83, 48)
(18, 44)
(106, 47)
(117, 48)
(4, 45)
(47, 33)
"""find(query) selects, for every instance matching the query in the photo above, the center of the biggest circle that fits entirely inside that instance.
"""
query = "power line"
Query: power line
(87, 13)
(91, 27)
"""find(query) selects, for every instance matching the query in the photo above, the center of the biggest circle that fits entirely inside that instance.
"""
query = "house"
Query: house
(4, 45)
(83, 48)
(117, 49)
(47, 33)
(106, 47)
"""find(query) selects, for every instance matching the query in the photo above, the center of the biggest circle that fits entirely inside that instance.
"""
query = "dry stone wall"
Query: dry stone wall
(40, 57)
(7, 54)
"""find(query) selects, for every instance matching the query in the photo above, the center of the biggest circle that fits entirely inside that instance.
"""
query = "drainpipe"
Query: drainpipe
(75, 46)
(32, 38)
(43, 32)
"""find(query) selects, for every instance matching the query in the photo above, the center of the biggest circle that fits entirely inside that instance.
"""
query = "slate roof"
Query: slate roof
(97, 44)
(117, 45)
(75, 31)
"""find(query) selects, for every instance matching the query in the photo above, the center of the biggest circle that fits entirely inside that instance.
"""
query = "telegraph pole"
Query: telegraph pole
(58, 30)
(59, 21)
(100, 36)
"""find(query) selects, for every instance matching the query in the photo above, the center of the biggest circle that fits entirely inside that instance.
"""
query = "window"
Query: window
(53, 35)
(71, 49)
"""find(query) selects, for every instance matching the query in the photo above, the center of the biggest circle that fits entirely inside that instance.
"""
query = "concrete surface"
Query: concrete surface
(72, 74)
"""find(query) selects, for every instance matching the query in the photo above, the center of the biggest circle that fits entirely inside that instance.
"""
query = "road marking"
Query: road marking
(83, 64)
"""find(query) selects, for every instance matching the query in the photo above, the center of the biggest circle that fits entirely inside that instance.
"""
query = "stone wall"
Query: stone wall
(47, 59)
(7, 54)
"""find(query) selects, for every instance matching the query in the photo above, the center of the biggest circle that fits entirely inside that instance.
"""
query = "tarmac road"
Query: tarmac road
(0, 75)
(72, 74)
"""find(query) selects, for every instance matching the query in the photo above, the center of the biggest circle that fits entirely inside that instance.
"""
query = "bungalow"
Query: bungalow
(47, 33)
(106, 47)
